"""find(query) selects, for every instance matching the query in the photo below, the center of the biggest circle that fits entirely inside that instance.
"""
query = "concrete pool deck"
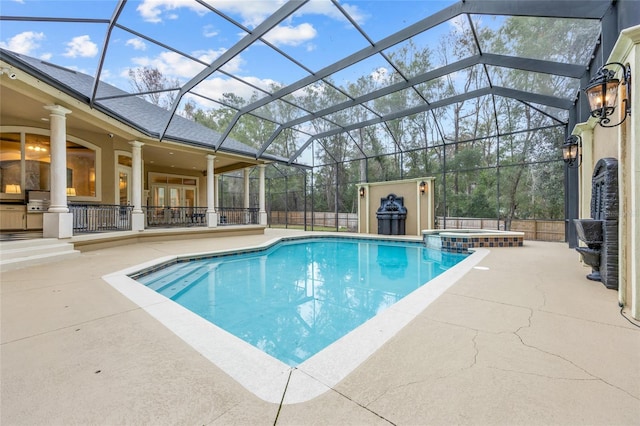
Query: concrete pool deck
(524, 338)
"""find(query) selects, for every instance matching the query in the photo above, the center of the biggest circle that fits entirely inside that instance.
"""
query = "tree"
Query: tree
(153, 86)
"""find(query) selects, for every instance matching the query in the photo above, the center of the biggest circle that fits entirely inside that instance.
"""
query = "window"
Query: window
(25, 161)
(11, 164)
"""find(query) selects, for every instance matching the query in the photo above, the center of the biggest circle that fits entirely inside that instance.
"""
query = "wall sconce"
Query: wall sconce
(12, 189)
(602, 93)
(422, 187)
(71, 192)
(361, 190)
(570, 151)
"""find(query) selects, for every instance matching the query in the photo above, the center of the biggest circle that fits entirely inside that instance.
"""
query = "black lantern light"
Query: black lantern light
(361, 191)
(422, 187)
(602, 93)
(570, 151)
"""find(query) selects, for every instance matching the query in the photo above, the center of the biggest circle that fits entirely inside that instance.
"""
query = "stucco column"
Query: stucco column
(263, 211)
(246, 196)
(137, 216)
(57, 221)
(212, 216)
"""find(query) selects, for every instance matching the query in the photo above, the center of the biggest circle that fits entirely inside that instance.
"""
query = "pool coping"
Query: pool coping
(266, 377)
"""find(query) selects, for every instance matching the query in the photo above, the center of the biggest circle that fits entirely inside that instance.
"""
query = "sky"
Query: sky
(181, 38)
(317, 35)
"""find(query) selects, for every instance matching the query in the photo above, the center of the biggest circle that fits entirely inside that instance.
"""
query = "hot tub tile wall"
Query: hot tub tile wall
(463, 244)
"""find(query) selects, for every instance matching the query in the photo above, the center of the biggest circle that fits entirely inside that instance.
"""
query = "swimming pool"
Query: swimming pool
(298, 297)
(263, 375)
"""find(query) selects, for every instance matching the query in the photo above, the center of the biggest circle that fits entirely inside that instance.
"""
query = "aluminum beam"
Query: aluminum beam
(105, 45)
(267, 25)
(533, 65)
(496, 90)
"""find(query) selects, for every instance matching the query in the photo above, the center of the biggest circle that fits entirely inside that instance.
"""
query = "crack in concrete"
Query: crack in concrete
(89, 321)
(591, 379)
(438, 377)
(364, 406)
(539, 282)
(528, 325)
(498, 302)
(332, 389)
(585, 371)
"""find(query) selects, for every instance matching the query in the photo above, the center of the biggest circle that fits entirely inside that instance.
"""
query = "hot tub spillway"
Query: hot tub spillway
(590, 231)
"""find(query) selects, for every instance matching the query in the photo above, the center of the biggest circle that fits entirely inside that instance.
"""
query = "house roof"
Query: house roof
(138, 113)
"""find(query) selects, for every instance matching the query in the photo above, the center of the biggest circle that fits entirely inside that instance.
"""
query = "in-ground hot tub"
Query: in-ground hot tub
(461, 240)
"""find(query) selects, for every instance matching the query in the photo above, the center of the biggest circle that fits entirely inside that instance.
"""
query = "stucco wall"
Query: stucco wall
(420, 207)
(621, 143)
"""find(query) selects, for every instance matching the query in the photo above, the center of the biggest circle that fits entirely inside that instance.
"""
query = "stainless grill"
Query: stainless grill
(37, 201)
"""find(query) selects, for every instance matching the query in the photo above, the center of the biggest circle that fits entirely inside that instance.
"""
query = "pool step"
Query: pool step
(178, 279)
(23, 253)
(167, 276)
(184, 282)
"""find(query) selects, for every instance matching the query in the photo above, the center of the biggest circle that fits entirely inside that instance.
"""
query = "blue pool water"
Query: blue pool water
(299, 296)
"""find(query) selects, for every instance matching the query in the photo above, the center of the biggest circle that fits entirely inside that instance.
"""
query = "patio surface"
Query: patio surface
(526, 339)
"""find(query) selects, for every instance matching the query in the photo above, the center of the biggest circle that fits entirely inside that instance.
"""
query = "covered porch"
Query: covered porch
(75, 170)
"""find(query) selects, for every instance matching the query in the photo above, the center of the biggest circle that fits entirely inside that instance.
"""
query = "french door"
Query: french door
(173, 196)
(124, 185)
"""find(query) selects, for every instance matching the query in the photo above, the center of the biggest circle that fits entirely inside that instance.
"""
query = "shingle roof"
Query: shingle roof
(131, 110)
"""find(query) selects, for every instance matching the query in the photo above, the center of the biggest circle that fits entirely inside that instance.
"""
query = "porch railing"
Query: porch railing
(89, 218)
(164, 217)
(237, 216)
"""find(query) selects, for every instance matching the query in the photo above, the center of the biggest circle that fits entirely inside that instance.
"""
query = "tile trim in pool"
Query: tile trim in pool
(263, 375)
(212, 255)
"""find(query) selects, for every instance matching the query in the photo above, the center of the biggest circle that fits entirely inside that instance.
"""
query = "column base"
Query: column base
(137, 221)
(263, 218)
(57, 225)
(212, 219)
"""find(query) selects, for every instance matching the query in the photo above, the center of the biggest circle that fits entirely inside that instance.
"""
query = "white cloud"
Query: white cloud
(208, 56)
(209, 31)
(380, 74)
(291, 36)
(105, 74)
(251, 13)
(81, 46)
(170, 64)
(46, 56)
(214, 88)
(355, 13)
(136, 43)
(326, 8)
(174, 65)
(23, 43)
(152, 10)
